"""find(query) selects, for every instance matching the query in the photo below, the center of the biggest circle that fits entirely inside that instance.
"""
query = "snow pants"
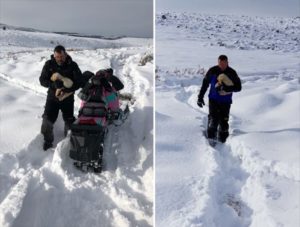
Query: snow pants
(50, 115)
(218, 120)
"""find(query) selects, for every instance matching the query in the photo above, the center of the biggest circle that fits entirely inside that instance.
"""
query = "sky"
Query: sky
(280, 8)
(133, 18)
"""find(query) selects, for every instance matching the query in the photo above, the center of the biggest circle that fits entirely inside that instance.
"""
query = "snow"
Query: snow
(253, 179)
(40, 188)
(37, 40)
(242, 32)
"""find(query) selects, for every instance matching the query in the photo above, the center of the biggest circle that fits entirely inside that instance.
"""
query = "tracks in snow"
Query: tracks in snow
(243, 188)
(225, 190)
(225, 206)
(223, 184)
(243, 185)
(38, 89)
(40, 180)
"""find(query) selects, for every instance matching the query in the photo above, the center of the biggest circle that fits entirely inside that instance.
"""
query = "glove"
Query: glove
(200, 102)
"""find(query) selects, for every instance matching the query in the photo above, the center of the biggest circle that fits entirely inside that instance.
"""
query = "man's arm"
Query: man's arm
(45, 78)
(237, 83)
(205, 85)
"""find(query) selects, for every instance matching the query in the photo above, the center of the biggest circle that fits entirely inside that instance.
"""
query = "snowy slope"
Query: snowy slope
(40, 188)
(242, 32)
(253, 179)
(21, 39)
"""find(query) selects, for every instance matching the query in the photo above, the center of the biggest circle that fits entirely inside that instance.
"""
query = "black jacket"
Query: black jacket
(211, 79)
(68, 69)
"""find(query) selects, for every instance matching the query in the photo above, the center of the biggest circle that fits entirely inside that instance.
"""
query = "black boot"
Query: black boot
(47, 145)
(212, 128)
(222, 136)
(66, 129)
(68, 124)
(47, 131)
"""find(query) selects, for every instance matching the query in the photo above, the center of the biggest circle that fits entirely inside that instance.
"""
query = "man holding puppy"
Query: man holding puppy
(62, 76)
(223, 81)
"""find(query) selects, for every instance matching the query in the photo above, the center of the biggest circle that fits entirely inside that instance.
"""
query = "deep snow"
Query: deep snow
(253, 179)
(40, 188)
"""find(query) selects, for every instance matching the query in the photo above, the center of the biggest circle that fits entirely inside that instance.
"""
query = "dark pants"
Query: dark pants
(218, 120)
(50, 115)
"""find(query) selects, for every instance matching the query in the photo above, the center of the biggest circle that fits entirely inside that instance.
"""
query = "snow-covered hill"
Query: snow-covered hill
(253, 179)
(40, 188)
(242, 32)
(38, 40)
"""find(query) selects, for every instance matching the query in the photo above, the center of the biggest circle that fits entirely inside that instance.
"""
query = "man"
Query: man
(223, 80)
(62, 77)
